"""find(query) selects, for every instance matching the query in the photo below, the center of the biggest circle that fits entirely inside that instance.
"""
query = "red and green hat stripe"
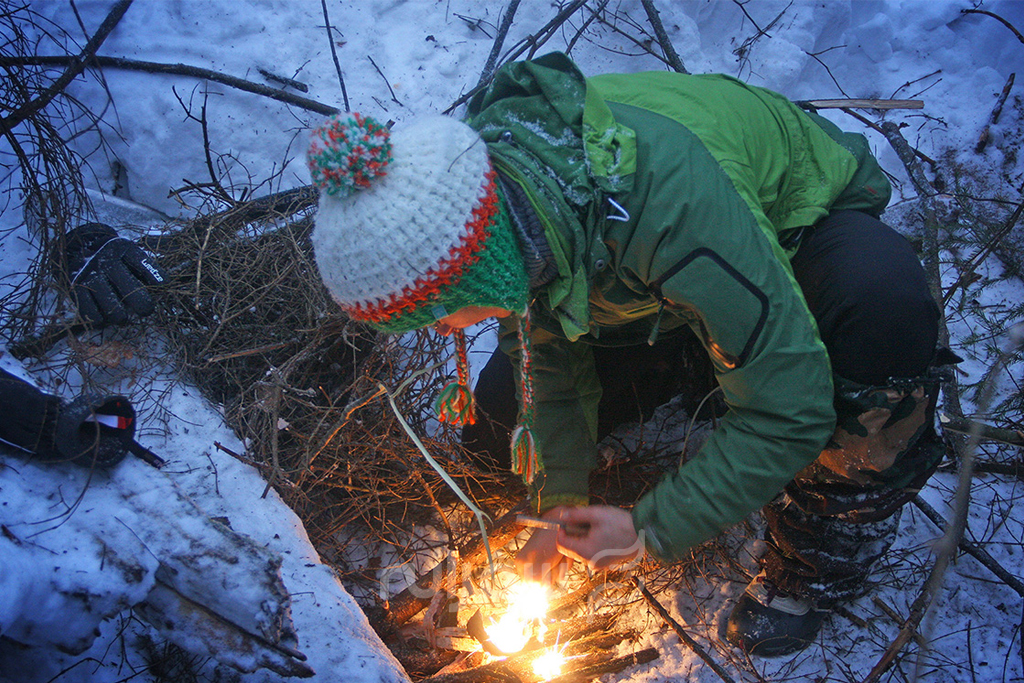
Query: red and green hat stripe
(453, 283)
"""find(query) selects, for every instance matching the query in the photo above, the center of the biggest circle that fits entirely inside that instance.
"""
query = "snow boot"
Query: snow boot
(767, 622)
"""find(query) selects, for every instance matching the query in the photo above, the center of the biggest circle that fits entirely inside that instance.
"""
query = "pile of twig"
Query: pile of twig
(249, 321)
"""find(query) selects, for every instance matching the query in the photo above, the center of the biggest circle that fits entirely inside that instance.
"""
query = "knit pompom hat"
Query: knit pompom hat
(410, 226)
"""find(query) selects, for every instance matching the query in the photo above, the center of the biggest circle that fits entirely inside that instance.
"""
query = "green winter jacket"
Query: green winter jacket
(673, 200)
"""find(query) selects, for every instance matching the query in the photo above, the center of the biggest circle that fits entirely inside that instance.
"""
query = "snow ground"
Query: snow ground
(425, 53)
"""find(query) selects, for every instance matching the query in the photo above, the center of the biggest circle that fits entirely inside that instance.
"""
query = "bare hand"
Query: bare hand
(540, 559)
(610, 539)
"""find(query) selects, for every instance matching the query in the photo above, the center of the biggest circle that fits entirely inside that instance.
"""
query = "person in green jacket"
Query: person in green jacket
(613, 225)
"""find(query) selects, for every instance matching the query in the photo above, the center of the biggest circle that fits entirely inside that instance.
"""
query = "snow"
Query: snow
(424, 56)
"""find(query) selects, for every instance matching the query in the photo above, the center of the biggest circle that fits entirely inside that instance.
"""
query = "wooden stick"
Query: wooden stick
(179, 70)
(683, 635)
(860, 104)
(897, 618)
(993, 118)
(499, 40)
(535, 40)
(569, 644)
(998, 18)
(962, 425)
(930, 235)
(671, 56)
(611, 666)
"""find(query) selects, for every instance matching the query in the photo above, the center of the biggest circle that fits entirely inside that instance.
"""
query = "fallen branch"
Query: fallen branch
(283, 80)
(993, 118)
(971, 549)
(588, 661)
(179, 70)
(860, 104)
(953, 535)
(874, 126)
(388, 84)
(677, 627)
(998, 18)
(610, 667)
(671, 56)
(968, 275)
(930, 235)
(334, 53)
(962, 425)
(532, 41)
(75, 66)
(499, 40)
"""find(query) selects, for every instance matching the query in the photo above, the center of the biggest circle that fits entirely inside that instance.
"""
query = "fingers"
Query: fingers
(539, 559)
(98, 302)
(610, 538)
(131, 289)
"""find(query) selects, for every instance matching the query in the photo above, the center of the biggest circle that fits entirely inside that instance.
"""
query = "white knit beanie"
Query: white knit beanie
(405, 240)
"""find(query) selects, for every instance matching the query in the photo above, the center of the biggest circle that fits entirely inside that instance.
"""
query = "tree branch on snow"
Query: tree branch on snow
(499, 40)
(968, 275)
(76, 66)
(334, 54)
(930, 234)
(659, 31)
(283, 80)
(531, 42)
(179, 70)
(945, 548)
(393, 98)
(998, 18)
(680, 631)
(975, 551)
(1012, 437)
(994, 117)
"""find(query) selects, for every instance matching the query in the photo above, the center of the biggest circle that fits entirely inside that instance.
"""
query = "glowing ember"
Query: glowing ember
(548, 665)
(527, 602)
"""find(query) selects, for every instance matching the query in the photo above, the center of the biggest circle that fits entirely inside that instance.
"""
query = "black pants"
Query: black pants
(868, 294)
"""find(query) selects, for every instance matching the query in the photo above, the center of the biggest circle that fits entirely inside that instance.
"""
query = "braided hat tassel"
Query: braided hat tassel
(525, 458)
(455, 404)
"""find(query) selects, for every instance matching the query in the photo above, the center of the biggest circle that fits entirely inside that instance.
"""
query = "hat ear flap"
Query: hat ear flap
(455, 404)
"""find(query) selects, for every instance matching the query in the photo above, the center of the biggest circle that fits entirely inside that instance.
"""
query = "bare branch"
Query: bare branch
(180, 70)
(77, 65)
(499, 40)
(680, 631)
(659, 30)
(998, 18)
(334, 54)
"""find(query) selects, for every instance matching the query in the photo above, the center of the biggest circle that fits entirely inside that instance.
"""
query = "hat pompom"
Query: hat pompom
(347, 151)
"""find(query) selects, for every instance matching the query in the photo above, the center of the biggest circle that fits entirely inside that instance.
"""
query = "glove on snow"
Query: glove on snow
(109, 275)
(91, 430)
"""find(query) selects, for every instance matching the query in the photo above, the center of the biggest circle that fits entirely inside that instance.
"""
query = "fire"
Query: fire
(527, 603)
(549, 664)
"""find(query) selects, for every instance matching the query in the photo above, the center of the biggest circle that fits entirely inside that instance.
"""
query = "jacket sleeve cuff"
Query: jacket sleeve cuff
(560, 487)
(646, 528)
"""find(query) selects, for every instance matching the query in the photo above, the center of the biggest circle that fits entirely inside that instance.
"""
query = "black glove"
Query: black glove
(109, 275)
(91, 430)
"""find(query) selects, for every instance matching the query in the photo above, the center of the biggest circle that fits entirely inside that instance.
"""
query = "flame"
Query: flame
(549, 664)
(527, 602)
